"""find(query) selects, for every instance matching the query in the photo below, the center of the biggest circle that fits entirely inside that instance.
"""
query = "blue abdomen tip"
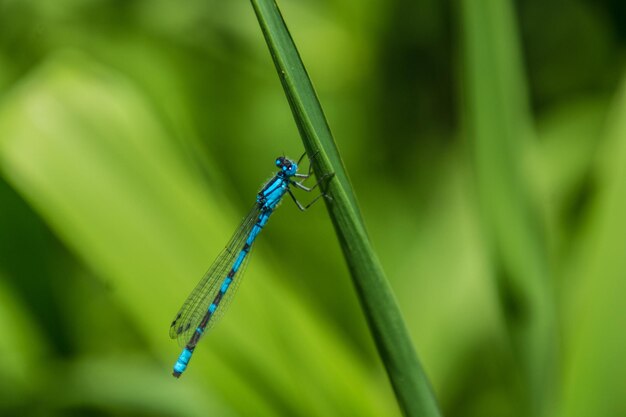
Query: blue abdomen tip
(179, 368)
(181, 363)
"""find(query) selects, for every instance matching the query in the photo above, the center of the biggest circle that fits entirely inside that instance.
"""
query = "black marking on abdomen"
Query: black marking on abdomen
(218, 298)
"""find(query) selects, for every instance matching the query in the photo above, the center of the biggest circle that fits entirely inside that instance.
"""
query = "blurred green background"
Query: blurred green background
(486, 142)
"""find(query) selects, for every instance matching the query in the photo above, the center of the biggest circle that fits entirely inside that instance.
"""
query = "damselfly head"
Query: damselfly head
(287, 166)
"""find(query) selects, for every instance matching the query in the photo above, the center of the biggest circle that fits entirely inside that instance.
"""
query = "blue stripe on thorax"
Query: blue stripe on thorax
(273, 192)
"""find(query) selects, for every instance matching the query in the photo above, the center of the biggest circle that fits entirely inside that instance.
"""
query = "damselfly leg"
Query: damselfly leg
(325, 179)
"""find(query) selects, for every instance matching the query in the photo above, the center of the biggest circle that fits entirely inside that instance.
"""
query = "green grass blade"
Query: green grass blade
(594, 383)
(499, 123)
(410, 384)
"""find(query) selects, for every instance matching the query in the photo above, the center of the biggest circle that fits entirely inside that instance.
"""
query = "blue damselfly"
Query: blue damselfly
(213, 293)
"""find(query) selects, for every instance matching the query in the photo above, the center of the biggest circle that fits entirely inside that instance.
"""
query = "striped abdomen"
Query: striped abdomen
(185, 356)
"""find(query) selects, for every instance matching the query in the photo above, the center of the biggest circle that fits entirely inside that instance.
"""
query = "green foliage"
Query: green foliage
(499, 123)
(485, 143)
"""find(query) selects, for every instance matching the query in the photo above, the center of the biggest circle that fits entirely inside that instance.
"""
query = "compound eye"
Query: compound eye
(277, 162)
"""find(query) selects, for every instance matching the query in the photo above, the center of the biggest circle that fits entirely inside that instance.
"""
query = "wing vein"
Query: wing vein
(198, 301)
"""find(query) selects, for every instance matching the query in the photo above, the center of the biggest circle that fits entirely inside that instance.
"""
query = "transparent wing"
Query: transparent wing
(197, 303)
(228, 297)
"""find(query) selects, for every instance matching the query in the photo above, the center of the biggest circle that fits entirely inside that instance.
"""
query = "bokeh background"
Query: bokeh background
(486, 142)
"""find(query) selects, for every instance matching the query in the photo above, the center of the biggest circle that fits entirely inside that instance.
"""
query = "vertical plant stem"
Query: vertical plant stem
(499, 124)
(412, 389)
